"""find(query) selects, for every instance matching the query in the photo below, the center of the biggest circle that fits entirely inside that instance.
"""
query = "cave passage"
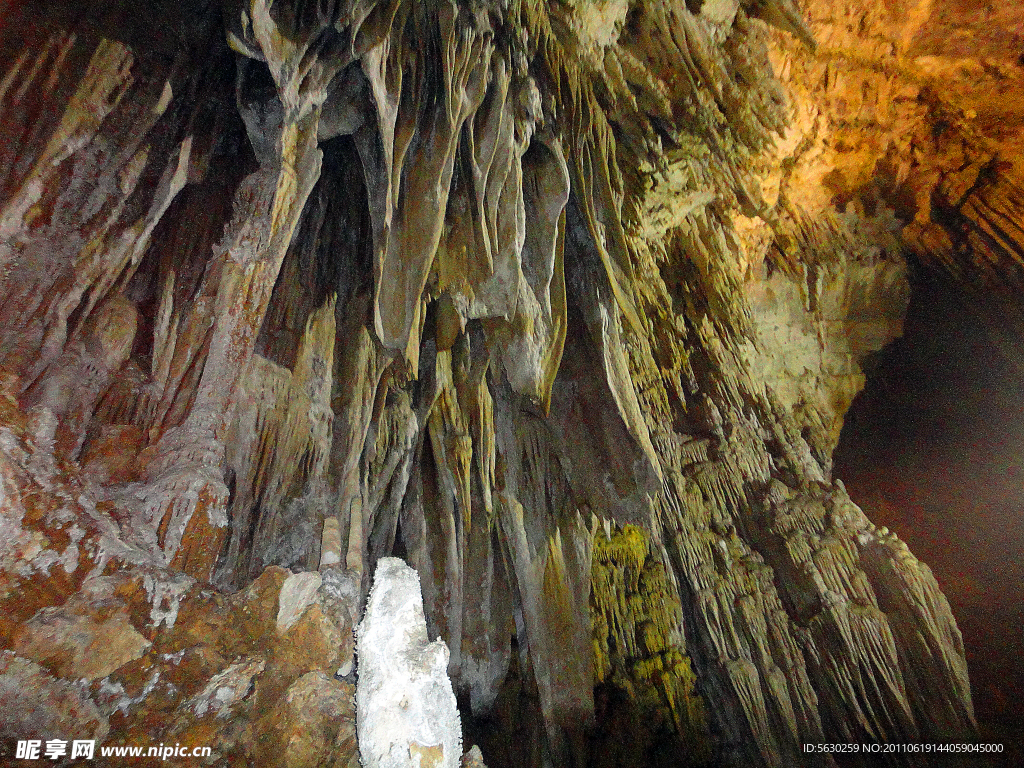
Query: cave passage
(933, 448)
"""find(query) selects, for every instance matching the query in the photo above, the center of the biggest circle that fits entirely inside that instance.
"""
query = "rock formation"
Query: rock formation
(560, 302)
(406, 710)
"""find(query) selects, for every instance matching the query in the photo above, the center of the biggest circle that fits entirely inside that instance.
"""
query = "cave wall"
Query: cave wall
(931, 449)
(499, 288)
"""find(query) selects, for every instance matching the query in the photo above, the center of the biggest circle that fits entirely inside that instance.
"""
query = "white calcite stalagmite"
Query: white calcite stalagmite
(406, 713)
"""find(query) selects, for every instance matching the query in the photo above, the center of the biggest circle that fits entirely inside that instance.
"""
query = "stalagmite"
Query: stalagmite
(407, 715)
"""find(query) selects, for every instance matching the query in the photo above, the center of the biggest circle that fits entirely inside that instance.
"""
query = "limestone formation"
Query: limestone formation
(407, 713)
(562, 303)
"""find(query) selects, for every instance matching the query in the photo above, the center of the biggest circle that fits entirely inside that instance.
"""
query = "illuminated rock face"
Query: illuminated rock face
(563, 303)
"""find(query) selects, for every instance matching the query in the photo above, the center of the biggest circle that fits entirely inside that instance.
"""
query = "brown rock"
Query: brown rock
(113, 456)
(312, 725)
(37, 705)
(81, 639)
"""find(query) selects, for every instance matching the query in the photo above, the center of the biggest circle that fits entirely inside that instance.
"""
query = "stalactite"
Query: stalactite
(526, 299)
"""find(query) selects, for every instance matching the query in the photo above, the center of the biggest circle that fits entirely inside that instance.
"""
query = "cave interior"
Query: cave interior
(677, 347)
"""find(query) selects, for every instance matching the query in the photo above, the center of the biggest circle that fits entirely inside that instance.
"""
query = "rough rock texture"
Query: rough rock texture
(107, 643)
(561, 302)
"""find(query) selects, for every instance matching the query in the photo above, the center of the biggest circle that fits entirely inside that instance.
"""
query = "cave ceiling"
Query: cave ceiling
(563, 302)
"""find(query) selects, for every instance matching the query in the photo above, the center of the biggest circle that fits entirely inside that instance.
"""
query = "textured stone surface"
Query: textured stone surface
(40, 705)
(306, 285)
(146, 655)
(81, 646)
(313, 724)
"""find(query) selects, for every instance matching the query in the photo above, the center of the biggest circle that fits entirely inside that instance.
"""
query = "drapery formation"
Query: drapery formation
(314, 283)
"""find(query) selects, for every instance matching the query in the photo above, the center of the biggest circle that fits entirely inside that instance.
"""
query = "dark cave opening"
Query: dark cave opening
(933, 449)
